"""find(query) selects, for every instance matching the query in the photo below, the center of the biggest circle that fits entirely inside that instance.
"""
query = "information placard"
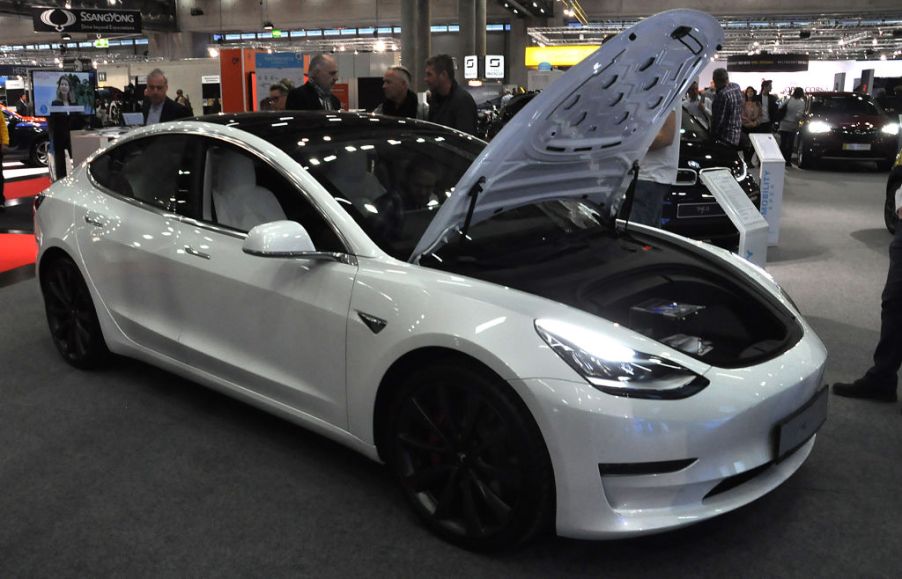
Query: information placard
(739, 208)
(771, 175)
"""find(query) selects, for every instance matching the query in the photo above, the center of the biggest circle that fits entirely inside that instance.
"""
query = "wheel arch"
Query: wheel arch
(407, 363)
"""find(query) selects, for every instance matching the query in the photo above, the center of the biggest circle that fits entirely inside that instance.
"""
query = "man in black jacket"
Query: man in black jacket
(769, 106)
(400, 101)
(158, 108)
(316, 93)
(450, 105)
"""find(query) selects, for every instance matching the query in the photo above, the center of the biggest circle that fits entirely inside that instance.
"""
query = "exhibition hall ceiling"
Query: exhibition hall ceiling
(821, 36)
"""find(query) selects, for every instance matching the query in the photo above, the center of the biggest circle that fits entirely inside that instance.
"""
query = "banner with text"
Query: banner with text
(85, 20)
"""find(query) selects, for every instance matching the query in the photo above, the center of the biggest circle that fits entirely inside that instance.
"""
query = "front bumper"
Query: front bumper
(727, 430)
(832, 147)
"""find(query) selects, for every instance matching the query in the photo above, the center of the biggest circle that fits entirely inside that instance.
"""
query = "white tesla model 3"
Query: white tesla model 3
(471, 315)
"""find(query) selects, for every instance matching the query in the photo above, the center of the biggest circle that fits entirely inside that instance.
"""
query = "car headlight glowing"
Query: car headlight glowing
(890, 129)
(616, 369)
(818, 127)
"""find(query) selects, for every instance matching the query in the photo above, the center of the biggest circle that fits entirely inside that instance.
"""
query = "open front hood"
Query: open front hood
(580, 136)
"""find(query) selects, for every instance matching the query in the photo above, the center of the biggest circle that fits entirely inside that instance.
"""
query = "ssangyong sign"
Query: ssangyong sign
(85, 20)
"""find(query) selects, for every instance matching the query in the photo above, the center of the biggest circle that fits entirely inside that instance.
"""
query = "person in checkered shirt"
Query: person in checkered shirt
(726, 111)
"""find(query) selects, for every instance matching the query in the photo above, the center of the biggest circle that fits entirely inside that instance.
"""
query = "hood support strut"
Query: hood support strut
(475, 190)
(627, 206)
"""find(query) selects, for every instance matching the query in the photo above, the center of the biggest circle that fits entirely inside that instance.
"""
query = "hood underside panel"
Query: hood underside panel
(579, 138)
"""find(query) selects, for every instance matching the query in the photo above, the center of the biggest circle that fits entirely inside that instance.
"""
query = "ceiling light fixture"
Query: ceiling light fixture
(268, 25)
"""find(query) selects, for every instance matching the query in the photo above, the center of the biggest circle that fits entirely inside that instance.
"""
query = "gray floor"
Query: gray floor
(135, 472)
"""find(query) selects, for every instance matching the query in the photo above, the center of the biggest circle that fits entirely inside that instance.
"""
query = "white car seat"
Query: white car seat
(231, 191)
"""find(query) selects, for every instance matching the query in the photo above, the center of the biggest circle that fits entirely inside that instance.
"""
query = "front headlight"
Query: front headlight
(891, 129)
(616, 369)
(818, 127)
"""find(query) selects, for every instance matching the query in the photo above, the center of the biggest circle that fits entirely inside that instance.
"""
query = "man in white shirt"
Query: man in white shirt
(879, 382)
(658, 171)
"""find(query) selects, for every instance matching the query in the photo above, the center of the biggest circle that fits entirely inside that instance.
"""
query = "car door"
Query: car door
(126, 229)
(275, 326)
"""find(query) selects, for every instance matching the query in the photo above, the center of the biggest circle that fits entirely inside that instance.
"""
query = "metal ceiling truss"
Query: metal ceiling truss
(821, 36)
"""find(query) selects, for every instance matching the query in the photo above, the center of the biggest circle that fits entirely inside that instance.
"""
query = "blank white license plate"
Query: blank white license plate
(795, 430)
(856, 146)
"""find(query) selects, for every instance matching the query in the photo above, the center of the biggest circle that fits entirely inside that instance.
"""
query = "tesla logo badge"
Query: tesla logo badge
(58, 18)
(375, 324)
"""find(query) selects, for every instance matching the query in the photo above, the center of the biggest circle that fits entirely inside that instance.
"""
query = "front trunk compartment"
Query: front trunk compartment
(674, 294)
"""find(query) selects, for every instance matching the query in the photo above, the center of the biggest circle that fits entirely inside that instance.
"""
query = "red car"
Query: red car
(846, 126)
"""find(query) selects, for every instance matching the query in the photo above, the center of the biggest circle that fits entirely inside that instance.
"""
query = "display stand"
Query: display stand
(739, 208)
(770, 179)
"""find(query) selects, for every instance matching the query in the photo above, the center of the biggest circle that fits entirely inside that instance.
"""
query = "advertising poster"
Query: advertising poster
(275, 68)
(63, 92)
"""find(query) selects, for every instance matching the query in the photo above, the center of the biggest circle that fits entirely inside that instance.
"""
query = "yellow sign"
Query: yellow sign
(558, 55)
(102, 43)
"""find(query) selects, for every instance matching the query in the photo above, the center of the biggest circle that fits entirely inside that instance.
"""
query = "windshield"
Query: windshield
(844, 104)
(692, 128)
(391, 183)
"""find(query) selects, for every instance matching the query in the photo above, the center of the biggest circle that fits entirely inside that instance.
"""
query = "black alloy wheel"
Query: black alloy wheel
(71, 316)
(39, 153)
(470, 458)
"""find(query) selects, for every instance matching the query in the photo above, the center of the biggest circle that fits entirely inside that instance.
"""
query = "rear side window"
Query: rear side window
(160, 171)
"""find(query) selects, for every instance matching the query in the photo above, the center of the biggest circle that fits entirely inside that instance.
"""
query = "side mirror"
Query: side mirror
(279, 239)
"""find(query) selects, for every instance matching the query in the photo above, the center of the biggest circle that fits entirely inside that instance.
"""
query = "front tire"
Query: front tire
(71, 315)
(38, 155)
(470, 458)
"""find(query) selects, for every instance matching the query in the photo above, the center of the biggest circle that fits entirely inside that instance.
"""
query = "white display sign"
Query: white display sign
(739, 208)
(494, 66)
(210, 79)
(471, 66)
(771, 175)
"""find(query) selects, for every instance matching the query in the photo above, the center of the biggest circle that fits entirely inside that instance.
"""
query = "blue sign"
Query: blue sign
(545, 66)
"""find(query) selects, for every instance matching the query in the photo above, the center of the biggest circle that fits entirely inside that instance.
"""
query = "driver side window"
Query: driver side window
(241, 191)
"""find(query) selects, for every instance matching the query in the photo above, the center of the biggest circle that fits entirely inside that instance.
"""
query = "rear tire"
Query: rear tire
(71, 315)
(469, 457)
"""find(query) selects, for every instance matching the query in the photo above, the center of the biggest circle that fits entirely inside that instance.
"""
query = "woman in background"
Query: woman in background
(789, 126)
(64, 93)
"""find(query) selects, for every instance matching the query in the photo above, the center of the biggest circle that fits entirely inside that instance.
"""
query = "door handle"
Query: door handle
(94, 219)
(191, 251)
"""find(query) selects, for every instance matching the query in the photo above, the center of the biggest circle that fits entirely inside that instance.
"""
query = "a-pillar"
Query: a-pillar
(409, 56)
(467, 16)
(424, 44)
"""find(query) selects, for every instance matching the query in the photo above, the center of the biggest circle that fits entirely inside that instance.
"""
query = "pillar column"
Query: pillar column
(424, 44)
(517, 42)
(467, 15)
(479, 30)
(177, 45)
(409, 57)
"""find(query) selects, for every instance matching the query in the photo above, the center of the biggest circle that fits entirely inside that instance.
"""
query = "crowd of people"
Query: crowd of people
(734, 114)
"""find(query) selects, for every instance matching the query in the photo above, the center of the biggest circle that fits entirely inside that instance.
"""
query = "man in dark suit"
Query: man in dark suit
(316, 93)
(769, 107)
(158, 108)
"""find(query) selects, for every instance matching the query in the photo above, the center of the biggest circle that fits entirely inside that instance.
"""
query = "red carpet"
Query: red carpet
(16, 250)
(25, 187)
